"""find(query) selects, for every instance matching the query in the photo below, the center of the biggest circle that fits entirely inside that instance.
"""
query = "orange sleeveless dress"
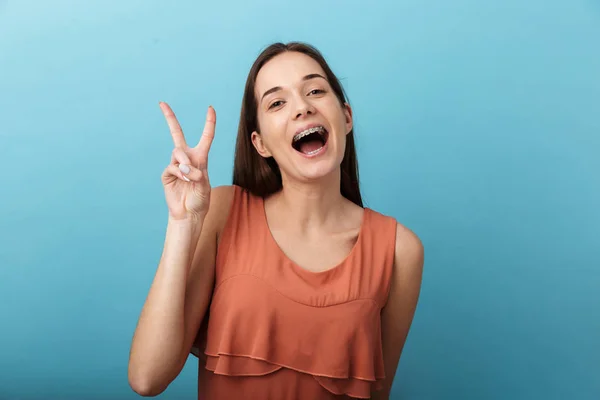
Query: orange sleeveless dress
(278, 331)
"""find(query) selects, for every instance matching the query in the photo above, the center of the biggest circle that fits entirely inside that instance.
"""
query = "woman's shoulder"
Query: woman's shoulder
(222, 192)
(221, 201)
(408, 255)
(407, 242)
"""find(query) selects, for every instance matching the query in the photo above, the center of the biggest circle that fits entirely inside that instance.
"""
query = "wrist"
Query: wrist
(189, 221)
(183, 232)
(190, 224)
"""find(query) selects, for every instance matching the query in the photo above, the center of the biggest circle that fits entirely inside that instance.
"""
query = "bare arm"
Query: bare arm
(182, 285)
(397, 316)
(177, 301)
(159, 337)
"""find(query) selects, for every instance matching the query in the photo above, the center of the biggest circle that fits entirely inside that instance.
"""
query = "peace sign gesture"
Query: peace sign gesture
(187, 189)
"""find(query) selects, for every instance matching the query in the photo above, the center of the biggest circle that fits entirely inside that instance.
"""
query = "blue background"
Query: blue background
(478, 127)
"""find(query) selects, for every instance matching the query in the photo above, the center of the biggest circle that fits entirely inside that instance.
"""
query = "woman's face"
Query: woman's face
(302, 124)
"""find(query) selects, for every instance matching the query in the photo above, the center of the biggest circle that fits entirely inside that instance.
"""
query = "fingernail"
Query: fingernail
(184, 168)
(185, 178)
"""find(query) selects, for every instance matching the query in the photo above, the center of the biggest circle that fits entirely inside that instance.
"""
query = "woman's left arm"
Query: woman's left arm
(397, 315)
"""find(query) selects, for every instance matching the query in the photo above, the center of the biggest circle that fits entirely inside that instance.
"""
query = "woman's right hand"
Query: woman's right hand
(185, 180)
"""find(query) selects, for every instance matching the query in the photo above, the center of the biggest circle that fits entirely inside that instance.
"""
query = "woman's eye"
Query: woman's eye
(316, 91)
(276, 104)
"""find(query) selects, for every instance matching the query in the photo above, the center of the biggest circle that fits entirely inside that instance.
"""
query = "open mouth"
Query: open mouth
(310, 141)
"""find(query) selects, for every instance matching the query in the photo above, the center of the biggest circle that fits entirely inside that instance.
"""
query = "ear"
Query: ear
(259, 145)
(348, 117)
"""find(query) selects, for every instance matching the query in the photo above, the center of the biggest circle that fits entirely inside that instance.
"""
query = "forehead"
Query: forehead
(286, 69)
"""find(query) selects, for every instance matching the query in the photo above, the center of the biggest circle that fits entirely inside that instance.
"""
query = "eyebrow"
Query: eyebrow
(277, 88)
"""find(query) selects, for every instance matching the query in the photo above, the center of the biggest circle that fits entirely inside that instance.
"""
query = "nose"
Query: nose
(303, 108)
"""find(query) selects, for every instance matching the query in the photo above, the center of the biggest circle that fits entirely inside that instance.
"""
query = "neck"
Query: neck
(314, 204)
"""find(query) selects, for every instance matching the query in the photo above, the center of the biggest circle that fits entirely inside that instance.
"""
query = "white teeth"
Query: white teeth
(300, 135)
(310, 153)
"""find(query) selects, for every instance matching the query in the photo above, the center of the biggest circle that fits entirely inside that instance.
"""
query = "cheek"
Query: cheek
(274, 133)
(270, 142)
(343, 143)
(335, 113)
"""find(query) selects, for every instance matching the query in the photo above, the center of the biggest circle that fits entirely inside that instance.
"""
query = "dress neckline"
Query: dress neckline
(300, 269)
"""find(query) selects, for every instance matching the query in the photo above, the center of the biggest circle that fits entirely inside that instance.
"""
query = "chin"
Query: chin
(317, 170)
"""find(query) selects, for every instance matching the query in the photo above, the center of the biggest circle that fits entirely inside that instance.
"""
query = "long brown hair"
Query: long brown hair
(261, 176)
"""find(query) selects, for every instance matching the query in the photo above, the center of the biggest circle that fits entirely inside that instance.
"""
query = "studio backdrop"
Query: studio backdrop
(477, 126)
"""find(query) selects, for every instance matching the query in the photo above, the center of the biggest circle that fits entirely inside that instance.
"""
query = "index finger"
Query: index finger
(174, 126)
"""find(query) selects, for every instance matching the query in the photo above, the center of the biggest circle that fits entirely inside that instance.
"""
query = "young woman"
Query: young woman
(283, 284)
